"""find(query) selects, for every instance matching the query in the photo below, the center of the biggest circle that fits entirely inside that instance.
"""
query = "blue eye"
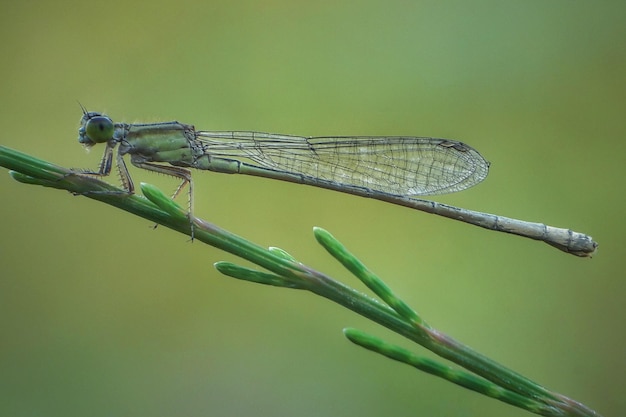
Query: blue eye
(99, 129)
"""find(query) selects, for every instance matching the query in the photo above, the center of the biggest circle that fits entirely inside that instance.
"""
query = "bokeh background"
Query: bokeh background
(100, 315)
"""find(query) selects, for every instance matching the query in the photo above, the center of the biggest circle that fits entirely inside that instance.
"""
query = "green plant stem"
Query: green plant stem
(287, 272)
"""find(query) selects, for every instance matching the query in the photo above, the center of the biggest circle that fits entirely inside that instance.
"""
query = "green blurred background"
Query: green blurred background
(102, 316)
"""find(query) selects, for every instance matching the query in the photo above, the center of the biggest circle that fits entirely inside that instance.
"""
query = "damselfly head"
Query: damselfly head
(95, 128)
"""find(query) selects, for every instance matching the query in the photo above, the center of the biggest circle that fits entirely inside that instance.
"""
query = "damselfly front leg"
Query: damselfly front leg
(102, 130)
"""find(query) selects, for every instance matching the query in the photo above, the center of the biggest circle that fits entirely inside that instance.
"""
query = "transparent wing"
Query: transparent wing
(408, 166)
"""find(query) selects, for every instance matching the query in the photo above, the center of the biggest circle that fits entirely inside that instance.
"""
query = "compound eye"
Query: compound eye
(99, 129)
